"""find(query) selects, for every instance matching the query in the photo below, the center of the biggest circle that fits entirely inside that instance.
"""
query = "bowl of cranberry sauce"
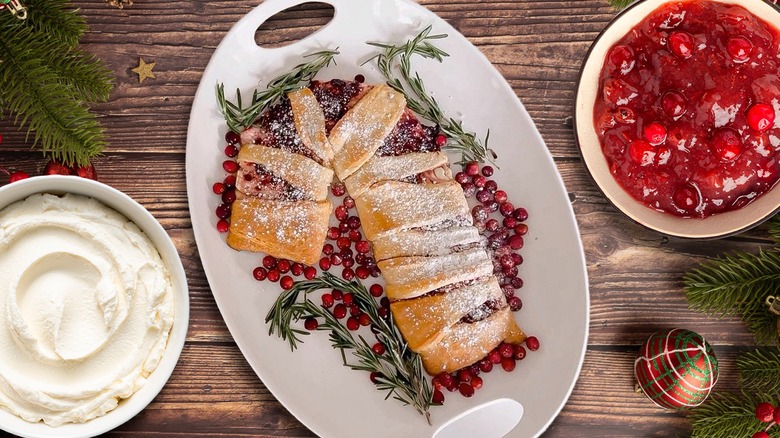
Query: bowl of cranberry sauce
(677, 115)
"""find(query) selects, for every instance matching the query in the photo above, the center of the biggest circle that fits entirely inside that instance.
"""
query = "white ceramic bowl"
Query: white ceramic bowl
(719, 225)
(122, 203)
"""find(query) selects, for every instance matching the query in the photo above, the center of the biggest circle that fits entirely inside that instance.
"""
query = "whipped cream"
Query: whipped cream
(86, 307)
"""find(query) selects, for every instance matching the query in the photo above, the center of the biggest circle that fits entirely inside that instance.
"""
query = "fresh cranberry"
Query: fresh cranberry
(532, 343)
(469, 189)
(231, 151)
(487, 171)
(338, 189)
(348, 274)
(471, 169)
(508, 364)
(464, 375)
(438, 397)
(348, 202)
(519, 352)
(325, 263)
(362, 272)
(476, 382)
(506, 209)
(506, 350)
(462, 178)
(681, 44)
(343, 242)
(232, 137)
(517, 283)
(739, 48)
(286, 282)
(218, 188)
(340, 311)
(341, 213)
(374, 377)
(311, 323)
(483, 196)
(338, 295)
(673, 103)
(283, 266)
(521, 229)
(761, 434)
(355, 236)
(309, 272)
(378, 348)
(273, 275)
(494, 356)
(269, 262)
(260, 273)
(655, 133)
(515, 303)
(230, 181)
(515, 242)
(726, 144)
(491, 186)
(327, 300)
(441, 140)
(761, 117)
(230, 166)
(56, 168)
(765, 412)
(520, 214)
(223, 226)
(466, 390)
(776, 415)
(352, 323)
(87, 171)
(17, 176)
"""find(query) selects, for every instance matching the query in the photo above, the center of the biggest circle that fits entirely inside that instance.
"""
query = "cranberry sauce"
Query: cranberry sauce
(334, 97)
(687, 107)
(277, 130)
(409, 135)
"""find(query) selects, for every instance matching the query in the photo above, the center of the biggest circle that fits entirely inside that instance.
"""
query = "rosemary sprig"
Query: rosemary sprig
(420, 101)
(238, 117)
(399, 369)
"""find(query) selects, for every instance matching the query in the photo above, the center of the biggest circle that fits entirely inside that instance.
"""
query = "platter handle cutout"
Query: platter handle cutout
(493, 419)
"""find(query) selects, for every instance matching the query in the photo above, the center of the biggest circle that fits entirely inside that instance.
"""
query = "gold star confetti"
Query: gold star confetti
(144, 70)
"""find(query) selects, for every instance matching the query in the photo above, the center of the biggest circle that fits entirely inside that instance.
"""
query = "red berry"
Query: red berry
(230, 181)
(325, 263)
(476, 382)
(269, 262)
(338, 295)
(327, 249)
(230, 166)
(739, 48)
(506, 350)
(353, 323)
(348, 202)
(438, 397)
(777, 415)
(327, 300)
(622, 58)
(273, 275)
(487, 171)
(485, 365)
(515, 303)
(494, 356)
(17, 176)
(87, 171)
(309, 272)
(761, 434)
(655, 133)
(334, 233)
(296, 269)
(681, 44)
(686, 198)
(348, 274)
(341, 213)
(232, 137)
(641, 152)
(55, 168)
(365, 321)
(362, 272)
(286, 282)
(461, 178)
(260, 273)
(376, 290)
(515, 242)
(491, 225)
(506, 209)
(343, 242)
(471, 169)
(479, 181)
(508, 363)
(311, 324)
(378, 348)
(441, 140)
(218, 188)
(765, 412)
(338, 189)
(340, 311)
(532, 343)
(374, 377)
(726, 144)
(283, 266)
(519, 352)
(223, 226)
(673, 103)
(500, 196)
(231, 151)
(466, 390)
(761, 117)
(521, 229)
(464, 375)
(491, 186)
(520, 214)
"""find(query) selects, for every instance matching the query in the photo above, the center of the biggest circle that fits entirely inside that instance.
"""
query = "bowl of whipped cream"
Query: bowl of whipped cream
(94, 307)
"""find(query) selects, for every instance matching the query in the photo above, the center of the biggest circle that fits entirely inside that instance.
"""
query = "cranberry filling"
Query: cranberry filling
(276, 128)
(409, 135)
(334, 97)
(687, 109)
(256, 181)
(482, 312)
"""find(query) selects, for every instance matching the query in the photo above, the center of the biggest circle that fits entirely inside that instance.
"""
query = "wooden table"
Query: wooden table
(538, 46)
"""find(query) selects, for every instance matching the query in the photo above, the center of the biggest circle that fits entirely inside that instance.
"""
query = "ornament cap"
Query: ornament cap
(774, 304)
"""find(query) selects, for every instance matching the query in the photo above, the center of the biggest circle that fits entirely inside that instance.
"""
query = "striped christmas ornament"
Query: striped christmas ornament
(676, 369)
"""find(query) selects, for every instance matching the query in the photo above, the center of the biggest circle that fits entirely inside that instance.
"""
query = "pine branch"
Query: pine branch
(57, 19)
(774, 228)
(760, 370)
(51, 107)
(728, 415)
(738, 284)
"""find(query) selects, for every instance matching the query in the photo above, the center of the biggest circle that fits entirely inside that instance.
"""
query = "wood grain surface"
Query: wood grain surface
(538, 45)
